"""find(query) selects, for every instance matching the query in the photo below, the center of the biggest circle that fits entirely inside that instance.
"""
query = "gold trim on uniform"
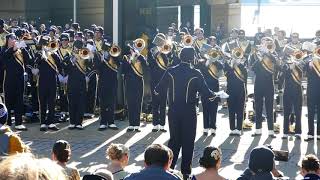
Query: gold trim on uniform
(187, 92)
(267, 64)
(19, 57)
(244, 45)
(111, 64)
(52, 62)
(316, 66)
(3, 38)
(238, 73)
(172, 86)
(296, 74)
(213, 71)
(161, 62)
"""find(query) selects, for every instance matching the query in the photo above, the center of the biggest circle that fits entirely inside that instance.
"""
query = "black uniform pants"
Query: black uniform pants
(76, 107)
(313, 103)
(63, 97)
(182, 127)
(264, 94)
(107, 99)
(236, 105)
(47, 97)
(159, 108)
(134, 93)
(209, 113)
(34, 96)
(13, 97)
(91, 95)
(292, 99)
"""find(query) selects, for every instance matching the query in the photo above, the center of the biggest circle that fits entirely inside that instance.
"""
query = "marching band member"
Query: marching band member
(316, 40)
(236, 74)
(210, 68)
(48, 65)
(64, 51)
(244, 43)
(184, 83)
(313, 103)
(14, 57)
(292, 97)
(76, 83)
(133, 70)
(158, 63)
(107, 63)
(264, 65)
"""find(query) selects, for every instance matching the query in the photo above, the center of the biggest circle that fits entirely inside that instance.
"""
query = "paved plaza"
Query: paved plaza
(89, 145)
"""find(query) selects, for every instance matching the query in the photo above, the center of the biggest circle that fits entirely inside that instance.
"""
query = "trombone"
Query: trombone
(53, 46)
(115, 50)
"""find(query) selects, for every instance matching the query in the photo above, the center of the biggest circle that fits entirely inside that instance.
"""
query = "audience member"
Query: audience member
(10, 143)
(211, 162)
(261, 164)
(310, 167)
(25, 166)
(156, 160)
(119, 156)
(61, 152)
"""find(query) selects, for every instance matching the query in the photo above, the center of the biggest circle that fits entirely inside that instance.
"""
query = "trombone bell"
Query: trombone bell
(84, 53)
(139, 44)
(187, 40)
(166, 48)
(115, 51)
(53, 46)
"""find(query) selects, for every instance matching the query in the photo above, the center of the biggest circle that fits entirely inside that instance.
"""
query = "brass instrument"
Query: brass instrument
(139, 44)
(166, 48)
(316, 53)
(187, 41)
(298, 55)
(270, 46)
(214, 55)
(53, 46)
(84, 53)
(237, 53)
(115, 51)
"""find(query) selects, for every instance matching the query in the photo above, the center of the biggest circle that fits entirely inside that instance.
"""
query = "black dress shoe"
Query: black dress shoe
(163, 130)
(130, 130)
(137, 130)
(205, 133)
(154, 130)
(53, 128)
(272, 136)
(43, 128)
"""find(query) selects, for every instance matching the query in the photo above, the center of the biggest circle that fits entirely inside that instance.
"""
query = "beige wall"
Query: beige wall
(12, 9)
(91, 11)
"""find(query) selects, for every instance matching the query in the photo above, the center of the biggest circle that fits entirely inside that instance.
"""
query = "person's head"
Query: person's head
(212, 41)
(67, 26)
(317, 34)
(276, 30)
(268, 33)
(159, 39)
(310, 165)
(118, 153)
(3, 114)
(79, 36)
(242, 34)
(261, 159)
(52, 31)
(187, 54)
(281, 35)
(89, 34)
(259, 30)
(211, 158)
(295, 38)
(61, 151)
(218, 28)
(25, 166)
(42, 27)
(75, 27)
(234, 33)
(170, 31)
(64, 39)
(170, 152)
(2, 23)
(10, 40)
(199, 33)
(98, 35)
(156, 155)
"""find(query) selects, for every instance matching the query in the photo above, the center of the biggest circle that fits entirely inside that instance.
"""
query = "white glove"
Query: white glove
(60, 77)
(21, 44)
(35, 71)
(222, 94)
(65, 79)
(87, 79)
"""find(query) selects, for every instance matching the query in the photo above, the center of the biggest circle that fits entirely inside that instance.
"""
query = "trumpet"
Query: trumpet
(84, 53)
(53, 46)
(115, 50)
(298, 55)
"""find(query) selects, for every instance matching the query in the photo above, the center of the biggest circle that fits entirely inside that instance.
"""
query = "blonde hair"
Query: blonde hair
(25, 166)
(117, 151)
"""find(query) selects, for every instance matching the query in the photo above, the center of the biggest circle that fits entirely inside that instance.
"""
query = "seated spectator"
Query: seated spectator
(24, 166)
(156, 160)
(258, 170)
(211, 161)
(175, 172)
(107, 176)
(61, 153)
(119, 156)
(10, 143)
(310, 167)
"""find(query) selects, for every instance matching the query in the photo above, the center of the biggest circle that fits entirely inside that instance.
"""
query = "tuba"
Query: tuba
(316, 53)
(166, 48)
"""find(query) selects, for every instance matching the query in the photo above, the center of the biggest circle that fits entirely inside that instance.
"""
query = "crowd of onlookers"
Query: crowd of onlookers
(18, 163)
